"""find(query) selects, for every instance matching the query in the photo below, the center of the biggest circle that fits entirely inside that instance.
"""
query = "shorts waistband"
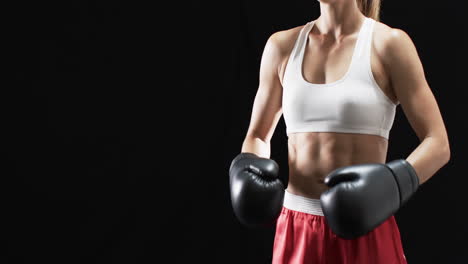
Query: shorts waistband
(302, 204)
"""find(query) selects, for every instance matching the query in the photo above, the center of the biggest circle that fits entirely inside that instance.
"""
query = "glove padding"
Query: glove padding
(363, 196)
(257, 192)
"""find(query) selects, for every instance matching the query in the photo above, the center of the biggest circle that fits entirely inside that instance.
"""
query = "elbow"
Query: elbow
(448, 156)
(447, 153)
(442, 148)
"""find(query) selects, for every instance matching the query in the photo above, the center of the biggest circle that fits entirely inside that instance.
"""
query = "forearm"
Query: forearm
(431, 155)
(257, 146)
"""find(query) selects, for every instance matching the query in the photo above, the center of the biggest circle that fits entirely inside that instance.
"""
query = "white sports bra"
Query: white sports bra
(353, 104)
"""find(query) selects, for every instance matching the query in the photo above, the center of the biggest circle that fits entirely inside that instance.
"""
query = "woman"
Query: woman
(337, 80)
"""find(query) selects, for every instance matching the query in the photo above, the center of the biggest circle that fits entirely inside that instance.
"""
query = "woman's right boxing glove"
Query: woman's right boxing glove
(257, 191)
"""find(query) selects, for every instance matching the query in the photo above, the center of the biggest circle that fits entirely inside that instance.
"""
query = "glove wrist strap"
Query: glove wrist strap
(406, 178)
(240, 156)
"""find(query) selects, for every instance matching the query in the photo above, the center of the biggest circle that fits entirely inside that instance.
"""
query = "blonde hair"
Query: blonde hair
(370, 8)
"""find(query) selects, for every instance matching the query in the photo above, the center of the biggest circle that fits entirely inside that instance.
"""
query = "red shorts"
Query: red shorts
(303, 236)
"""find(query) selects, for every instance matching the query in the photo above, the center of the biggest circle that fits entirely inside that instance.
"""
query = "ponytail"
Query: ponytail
(370, 8)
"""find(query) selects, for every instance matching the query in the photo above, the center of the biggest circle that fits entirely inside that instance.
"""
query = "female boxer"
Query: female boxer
(337, 80)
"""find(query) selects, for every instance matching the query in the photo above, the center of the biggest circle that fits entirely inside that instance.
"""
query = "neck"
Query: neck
(338, 19)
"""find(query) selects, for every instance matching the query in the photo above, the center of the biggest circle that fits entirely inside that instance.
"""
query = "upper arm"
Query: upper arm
(411, 88)
(266, 110)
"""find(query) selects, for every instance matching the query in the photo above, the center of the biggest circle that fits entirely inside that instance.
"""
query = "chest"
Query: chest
(327, 61)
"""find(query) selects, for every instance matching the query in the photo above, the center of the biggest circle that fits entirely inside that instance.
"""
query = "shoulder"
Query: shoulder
(391, 43)
(283, 41)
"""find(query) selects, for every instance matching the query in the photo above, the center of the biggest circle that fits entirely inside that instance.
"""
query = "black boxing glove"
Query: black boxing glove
(257, 192)
(363, 196)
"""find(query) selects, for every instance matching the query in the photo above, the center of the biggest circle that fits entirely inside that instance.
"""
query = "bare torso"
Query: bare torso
(312, 155)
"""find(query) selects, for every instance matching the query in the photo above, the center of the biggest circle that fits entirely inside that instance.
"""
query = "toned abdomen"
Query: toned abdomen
(312, 156)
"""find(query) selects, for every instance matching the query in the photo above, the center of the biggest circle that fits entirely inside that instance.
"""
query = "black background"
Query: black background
(121, 120)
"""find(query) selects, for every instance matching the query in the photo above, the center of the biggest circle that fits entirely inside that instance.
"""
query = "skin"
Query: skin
(398, 71)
